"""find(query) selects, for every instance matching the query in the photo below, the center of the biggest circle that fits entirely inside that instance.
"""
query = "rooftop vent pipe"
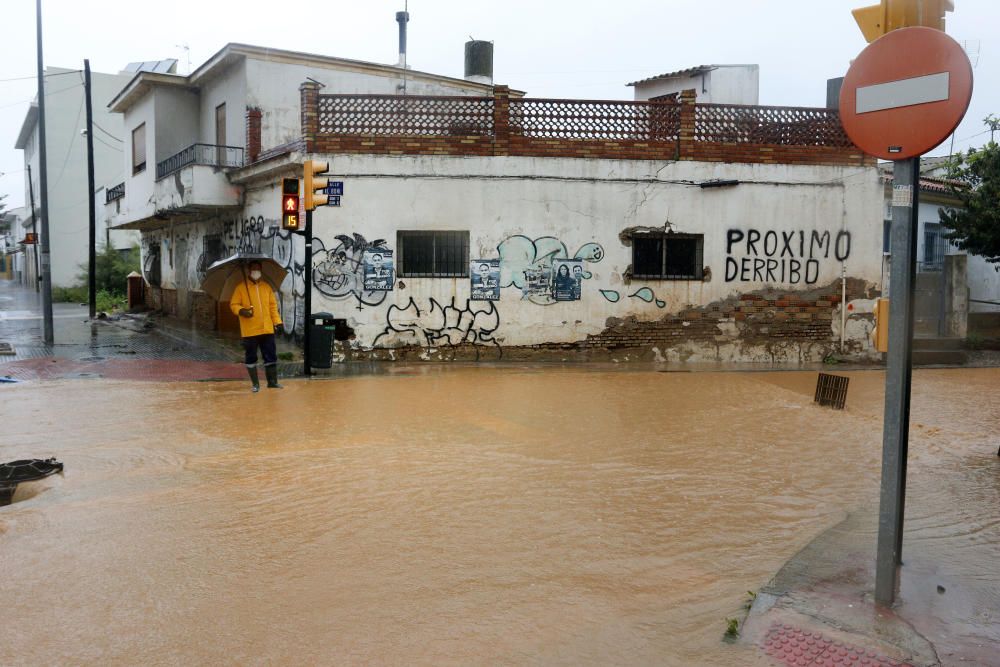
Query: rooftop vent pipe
(402, 18)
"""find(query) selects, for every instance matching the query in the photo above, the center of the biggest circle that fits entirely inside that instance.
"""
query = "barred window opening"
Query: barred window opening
(668, 257)
(433, 254)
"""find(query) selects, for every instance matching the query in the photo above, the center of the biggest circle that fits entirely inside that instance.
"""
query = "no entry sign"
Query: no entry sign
(905, 93)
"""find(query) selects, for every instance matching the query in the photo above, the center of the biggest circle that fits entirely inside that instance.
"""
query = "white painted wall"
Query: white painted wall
(177, 111)
(66, 156)
(983, 279)
(229, 88)
(726, 84)
(138, 202)
(274, 87)
(582, 205)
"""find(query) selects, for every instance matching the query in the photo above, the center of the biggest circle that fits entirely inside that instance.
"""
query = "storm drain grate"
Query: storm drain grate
(831, 390)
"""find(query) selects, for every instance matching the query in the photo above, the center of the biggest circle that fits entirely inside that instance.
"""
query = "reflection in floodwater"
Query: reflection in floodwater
(464, 516)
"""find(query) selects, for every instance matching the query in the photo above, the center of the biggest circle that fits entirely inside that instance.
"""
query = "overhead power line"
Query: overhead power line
(26, 78)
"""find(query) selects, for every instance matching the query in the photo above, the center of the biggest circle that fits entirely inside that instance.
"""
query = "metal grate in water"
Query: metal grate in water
(831, 390)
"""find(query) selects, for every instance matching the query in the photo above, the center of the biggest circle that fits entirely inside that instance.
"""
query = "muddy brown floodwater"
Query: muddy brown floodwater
(453, 516)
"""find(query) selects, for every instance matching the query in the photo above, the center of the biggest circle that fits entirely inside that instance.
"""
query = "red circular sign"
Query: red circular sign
(905, 93)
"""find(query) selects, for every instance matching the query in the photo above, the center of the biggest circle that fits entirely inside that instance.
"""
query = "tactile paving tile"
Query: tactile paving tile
(795, 647)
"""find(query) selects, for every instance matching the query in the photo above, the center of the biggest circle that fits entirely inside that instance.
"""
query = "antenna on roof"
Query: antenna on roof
(184, 46)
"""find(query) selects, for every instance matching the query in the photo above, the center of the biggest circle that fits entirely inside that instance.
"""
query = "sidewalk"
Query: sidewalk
(128, 347)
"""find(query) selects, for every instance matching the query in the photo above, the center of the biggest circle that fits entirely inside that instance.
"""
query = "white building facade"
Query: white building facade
(66, 148)
(637, 238)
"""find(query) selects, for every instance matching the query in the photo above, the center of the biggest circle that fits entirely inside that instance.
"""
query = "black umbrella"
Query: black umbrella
(222, 276)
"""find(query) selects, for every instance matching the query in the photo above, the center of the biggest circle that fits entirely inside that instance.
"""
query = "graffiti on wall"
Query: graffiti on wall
(440, 326)
(338, 273)
(782, 257)
(527, 264)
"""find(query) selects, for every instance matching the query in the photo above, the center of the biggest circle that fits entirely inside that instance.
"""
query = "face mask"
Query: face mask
(255, 275)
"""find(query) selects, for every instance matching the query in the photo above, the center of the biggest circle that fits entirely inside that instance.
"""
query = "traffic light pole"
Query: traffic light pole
(307, 277)
(896, 422)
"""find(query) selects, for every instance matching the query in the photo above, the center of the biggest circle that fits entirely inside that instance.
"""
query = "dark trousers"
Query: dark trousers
(267, 350)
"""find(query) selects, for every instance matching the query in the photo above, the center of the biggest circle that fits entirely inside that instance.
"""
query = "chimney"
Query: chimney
(402, 18)
(479, 61)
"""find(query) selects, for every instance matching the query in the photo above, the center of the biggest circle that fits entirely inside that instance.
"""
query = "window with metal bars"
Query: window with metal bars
(433, 254)
(668, 256)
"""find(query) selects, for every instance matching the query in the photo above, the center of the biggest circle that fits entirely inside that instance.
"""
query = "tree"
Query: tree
(975, 227)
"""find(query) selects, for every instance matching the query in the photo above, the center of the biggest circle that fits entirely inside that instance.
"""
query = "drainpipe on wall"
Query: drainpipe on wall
(843, 304)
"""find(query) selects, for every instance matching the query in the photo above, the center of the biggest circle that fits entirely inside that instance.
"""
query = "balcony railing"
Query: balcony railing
(115, 193)
(204, 154)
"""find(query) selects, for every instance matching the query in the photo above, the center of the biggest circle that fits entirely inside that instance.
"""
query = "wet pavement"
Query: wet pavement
(450, 514)
(123, 346)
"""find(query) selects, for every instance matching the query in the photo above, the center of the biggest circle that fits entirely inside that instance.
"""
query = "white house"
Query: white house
(714, 84)
(66, 158)
(614, 230)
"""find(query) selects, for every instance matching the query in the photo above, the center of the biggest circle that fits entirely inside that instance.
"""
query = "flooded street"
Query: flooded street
(458, 515)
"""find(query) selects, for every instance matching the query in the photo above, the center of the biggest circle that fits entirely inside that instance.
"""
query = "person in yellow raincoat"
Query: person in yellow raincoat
(254, 302)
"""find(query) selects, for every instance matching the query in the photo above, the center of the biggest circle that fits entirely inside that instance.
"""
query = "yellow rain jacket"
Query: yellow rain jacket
(260, 296)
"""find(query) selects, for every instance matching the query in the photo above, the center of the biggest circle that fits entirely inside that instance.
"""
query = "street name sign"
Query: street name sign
(335, 188)
(906, 93)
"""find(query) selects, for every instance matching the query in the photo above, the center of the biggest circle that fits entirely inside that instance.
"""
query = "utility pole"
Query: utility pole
(34, 229)
(92, 246)
(44, 186)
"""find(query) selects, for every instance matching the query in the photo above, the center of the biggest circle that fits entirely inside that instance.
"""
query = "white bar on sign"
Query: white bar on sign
(902, 93)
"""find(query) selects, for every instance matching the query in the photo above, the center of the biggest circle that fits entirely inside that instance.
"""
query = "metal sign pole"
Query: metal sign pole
(307, 352)
(896, 423)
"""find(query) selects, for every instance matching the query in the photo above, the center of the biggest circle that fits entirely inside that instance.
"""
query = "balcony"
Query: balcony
(189, 185)
(114, 194)
(201, 154)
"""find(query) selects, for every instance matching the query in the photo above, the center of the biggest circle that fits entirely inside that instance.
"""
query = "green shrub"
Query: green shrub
(75, 294)
(107, 301)
(111, 269)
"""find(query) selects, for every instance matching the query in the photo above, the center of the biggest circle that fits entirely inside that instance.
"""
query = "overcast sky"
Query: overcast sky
(551, 48)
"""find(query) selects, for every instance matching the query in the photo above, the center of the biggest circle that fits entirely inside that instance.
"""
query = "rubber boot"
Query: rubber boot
(271, 371)
(252, 372)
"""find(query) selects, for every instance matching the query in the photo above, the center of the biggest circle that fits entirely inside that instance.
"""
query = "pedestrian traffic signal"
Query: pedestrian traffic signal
(313, 185)
(889, 15)
(290, 219)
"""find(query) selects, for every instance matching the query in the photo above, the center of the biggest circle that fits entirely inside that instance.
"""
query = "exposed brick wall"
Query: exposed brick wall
(382, 145)
(168, 301)
(773, 316)
(151, 297)
(203, 311)
(309, 100)
(253, 134)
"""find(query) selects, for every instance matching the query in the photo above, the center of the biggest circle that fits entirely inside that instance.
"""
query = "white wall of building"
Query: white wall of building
(273, 86)
(179, 107)
(66, 157)
(796, 222)
(724, 84)
(139, 201)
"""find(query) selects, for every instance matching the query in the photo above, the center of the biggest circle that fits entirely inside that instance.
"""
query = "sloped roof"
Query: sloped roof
(689, 72)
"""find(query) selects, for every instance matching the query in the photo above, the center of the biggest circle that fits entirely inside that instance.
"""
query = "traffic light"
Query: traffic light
(889, 15)
(290, 219)
(310, 170)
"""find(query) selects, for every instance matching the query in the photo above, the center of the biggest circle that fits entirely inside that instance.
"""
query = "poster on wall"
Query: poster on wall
(485, 275)
(568, 276)
(379, 273)
(537, 282)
